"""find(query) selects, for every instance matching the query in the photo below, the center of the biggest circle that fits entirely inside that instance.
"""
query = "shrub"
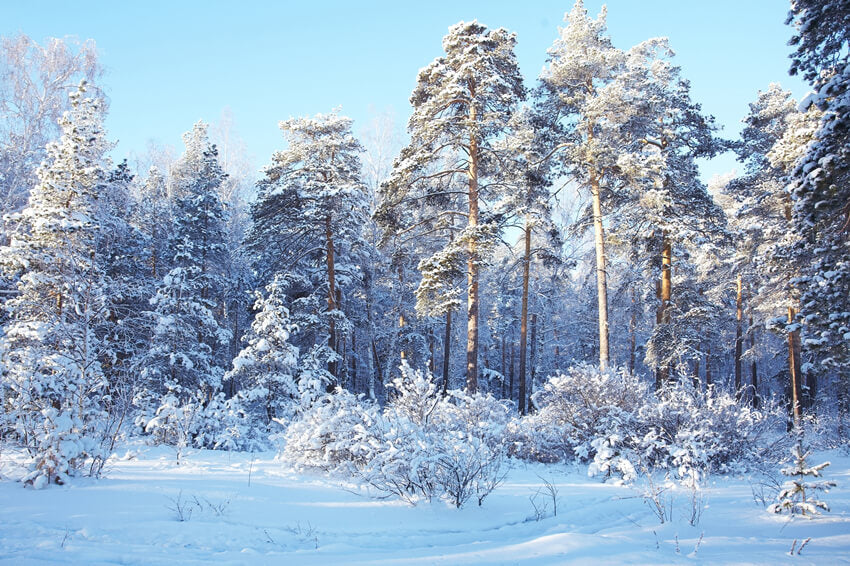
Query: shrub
(613, 422)
(423, 445)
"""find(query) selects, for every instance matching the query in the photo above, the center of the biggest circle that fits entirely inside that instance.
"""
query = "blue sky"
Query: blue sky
(170, 64)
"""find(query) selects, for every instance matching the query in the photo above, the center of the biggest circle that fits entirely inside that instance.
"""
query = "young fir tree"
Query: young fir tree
(123, 249)
(188, 349)
(53, 383)
(796, 495)
(311, 208)
(265, 368)
(462, 104)
(154, 219)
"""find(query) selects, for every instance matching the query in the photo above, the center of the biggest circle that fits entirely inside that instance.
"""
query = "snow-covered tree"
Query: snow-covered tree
(53, 383)
(669, 207)
(265, 368)
(462, 104)
(583, 63)
(35, 81)
(623, 125)
(797, 494)
(821, 184)
(775, 136)
(530, 179)
(188, 350)
(311, 207)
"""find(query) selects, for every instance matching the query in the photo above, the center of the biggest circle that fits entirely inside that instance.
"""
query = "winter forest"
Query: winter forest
(536, 278)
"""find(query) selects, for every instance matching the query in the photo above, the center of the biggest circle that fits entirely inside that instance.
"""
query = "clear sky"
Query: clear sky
(170, 64)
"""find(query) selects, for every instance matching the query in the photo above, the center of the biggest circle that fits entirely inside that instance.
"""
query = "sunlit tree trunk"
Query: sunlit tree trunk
(533, 372)
(601, 273)
(332, 366)
(794, 369)
(665, 291)
(754, 378)
(523, 325)
(739, 334)
(472, 264)
(633, 331)
(447, 346)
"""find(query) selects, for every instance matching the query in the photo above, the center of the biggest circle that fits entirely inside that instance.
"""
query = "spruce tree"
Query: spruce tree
(53, 382)
(188, 353)
(821, 186)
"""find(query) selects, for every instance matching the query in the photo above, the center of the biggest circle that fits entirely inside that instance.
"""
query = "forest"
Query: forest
(537, 274)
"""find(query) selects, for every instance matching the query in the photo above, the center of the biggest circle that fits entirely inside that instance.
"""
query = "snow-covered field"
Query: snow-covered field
(240, 508)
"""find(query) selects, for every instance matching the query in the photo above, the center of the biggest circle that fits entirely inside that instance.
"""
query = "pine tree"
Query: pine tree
(669, 209)
(775, 136)
(462, 105)
(52, 377)
(583, 63)
(529, 203)
(308, 217)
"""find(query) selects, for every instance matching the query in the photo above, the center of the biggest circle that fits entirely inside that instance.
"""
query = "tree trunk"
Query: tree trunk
(754, 378)
(708, 379)
(377, 362)
(371, 357)
(695, 377)
(332, 366)
(523, 323)
(601, 273)
(472, 265)
(354, 361)
(511, 375)
(447, 345)
(557, 352)
(341, 345)
(739, 334)
(794, 369)
(402, 322)
(533, 364)
(633, 331)
(504, 367)
(665, 292)
(432, 347)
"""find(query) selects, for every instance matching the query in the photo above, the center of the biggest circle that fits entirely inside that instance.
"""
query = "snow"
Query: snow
(243, 508)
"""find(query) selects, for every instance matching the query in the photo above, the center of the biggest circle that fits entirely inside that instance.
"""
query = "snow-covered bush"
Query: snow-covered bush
(576, 409)
(227, 424)
(422, 446)
(694, 432)
(450, 446)
(193, 421)
(338, 434)
(612, 421)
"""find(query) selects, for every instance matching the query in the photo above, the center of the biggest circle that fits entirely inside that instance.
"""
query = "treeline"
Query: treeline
(163, 301)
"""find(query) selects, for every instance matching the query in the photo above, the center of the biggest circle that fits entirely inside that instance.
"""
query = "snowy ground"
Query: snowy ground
(251, 509)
